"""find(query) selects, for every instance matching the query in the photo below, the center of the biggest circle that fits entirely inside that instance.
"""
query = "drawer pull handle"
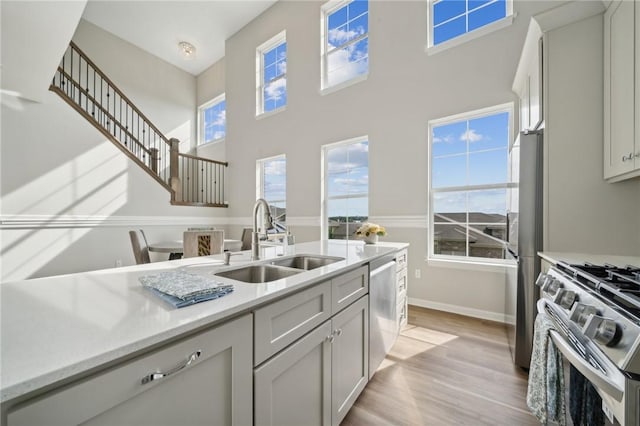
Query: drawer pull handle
(331, 338)
(338, 332)
(159, 375)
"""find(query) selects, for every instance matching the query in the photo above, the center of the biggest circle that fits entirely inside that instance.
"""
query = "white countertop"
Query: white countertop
(598, 259)
(59, 327)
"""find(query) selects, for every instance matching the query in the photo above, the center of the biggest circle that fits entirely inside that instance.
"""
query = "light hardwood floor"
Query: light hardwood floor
(445, 369)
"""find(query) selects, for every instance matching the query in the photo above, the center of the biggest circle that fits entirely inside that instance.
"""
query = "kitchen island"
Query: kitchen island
(64, 330)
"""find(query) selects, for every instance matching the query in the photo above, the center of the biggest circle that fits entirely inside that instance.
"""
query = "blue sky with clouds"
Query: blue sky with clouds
(275, 80)
(348, 174)
(347, 59)
(275, 180)
(215, 118)
(471, 152)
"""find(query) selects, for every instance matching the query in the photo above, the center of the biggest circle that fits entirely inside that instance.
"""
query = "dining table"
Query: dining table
(175, 248)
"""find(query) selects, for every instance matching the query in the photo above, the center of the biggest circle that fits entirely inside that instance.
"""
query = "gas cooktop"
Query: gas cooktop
(618, 284)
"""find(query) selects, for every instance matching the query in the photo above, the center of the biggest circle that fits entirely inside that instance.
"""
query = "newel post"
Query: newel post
(174, 170)
(154, 158)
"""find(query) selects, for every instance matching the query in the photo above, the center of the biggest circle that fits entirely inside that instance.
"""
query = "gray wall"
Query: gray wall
(68, 195)
(585, 213)
(405, 89)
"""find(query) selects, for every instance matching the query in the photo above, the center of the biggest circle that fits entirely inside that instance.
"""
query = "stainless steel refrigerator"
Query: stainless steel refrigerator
(524, 221)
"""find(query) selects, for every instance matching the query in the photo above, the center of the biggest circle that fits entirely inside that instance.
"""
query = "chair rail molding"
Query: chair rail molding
(20, 221)
(419, 221)
(30, 221)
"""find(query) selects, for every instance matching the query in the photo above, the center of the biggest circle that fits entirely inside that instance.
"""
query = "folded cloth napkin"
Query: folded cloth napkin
(585, 405)
(181, 288)
(545, 392)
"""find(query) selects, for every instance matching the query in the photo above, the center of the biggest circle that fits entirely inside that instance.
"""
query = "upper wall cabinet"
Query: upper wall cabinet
(527, 83)
(621, 91)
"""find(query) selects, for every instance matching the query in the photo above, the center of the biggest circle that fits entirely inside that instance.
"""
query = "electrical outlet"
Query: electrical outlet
(118, 263)
(417, 273)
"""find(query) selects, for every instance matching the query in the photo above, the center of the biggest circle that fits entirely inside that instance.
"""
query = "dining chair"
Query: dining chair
(246, 238)
(202, 243)
(140, 247)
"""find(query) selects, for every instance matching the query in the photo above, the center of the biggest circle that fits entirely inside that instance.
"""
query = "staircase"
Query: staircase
(191, 180)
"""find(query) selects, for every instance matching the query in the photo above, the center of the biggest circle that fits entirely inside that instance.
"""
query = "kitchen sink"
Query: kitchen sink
(258, 273)
(306, 262)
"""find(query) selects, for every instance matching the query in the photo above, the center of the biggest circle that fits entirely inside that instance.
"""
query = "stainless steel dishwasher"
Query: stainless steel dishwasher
(383, 320)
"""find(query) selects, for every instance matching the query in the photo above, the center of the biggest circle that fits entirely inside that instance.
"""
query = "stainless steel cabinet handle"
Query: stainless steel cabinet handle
(338, 332)
(627, 157)
(331, 338)
(160, 375)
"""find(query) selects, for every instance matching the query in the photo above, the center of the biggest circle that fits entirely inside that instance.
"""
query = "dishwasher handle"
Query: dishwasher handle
(382, 268)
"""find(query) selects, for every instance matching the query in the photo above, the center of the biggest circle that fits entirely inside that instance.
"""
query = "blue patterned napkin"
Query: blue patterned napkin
(181, 288)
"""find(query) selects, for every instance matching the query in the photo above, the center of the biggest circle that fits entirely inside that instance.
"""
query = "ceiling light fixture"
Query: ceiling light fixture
(188, 49)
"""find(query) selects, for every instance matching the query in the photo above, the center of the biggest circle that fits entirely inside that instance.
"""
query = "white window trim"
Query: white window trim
(431, 49)
(440, 259)
(324, 219)
(201, 110)
(326, 9)
(260, 174)
(260, 50)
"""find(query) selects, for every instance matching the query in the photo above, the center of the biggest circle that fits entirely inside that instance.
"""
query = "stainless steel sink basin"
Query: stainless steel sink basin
(258, 273)
(306, 262)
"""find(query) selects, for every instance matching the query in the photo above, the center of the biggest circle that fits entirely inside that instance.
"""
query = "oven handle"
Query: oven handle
(596, 377)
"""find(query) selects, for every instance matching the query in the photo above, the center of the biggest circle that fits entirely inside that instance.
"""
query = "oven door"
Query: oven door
(588, 360)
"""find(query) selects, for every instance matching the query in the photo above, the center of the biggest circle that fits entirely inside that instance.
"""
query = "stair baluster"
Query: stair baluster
(191, 180)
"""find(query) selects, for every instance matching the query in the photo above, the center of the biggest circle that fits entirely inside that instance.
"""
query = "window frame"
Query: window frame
(260, 168)
(327, 9)
(479, 113)
(324, 218)
(201, 121)
(496, 25)
(272, 43)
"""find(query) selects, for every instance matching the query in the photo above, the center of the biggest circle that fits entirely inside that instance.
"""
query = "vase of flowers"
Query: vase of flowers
(370, 232)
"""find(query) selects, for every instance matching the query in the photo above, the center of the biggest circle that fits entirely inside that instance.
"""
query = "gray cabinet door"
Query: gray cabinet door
(215, 388)
(294, 387)
(349, 357)
(619, 80)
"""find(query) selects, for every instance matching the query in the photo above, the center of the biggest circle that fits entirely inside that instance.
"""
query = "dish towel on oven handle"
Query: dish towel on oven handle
(545, 391)
(585, 405)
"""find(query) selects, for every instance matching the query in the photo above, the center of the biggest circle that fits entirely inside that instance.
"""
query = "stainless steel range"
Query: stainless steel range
(596, 309)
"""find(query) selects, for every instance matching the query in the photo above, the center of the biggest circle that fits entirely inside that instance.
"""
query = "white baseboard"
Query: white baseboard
(455, 309)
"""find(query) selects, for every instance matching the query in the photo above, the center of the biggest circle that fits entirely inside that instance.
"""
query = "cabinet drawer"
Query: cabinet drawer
(348, 288)
(281, 323)
(401, 282)
(403, 314)
(183, 396)
(401, 260)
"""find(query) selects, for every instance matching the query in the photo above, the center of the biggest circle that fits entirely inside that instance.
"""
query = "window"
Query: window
(453, 19)
(345, 41)
(272, 186)
(345, 187)
(212, 118)
(469, 184)
(271, 75)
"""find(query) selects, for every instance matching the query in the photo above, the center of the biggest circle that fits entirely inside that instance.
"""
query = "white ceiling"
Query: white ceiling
(158, 26)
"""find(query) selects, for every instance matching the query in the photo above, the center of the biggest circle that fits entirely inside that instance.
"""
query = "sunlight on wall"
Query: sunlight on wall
(183, 134)
(93, 184)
